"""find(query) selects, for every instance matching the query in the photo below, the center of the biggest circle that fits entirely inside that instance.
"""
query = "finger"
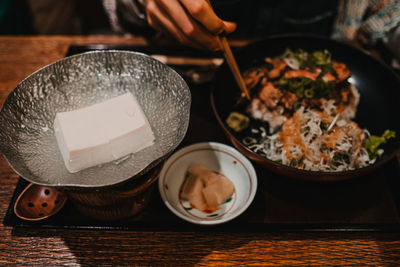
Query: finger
(189, 26)
(159, 27)
(160, 21)
(229, 27)
(205, 15)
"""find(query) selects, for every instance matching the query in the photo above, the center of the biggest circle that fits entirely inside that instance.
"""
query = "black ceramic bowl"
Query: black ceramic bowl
(378, 110)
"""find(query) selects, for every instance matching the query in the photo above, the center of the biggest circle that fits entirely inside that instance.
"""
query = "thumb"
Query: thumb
(229, 26)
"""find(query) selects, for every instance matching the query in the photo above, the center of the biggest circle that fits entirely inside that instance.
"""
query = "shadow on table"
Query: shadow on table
(102, 247)
(195, 248)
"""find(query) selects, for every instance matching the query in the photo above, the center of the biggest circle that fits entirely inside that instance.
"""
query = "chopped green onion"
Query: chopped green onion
(300, 91)
(309, 93)
(317, 58)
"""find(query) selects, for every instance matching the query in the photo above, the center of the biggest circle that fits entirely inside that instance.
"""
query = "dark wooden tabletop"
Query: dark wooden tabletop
(20, 56)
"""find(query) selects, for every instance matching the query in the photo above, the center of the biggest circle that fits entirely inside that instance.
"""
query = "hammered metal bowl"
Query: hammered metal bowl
(26, 133)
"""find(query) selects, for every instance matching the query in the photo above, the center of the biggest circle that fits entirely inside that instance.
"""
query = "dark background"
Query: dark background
(30, 17)
(255, 18)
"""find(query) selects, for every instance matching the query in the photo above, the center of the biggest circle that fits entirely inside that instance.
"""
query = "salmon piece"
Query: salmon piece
(268, 59)
(342, 72)
(352, 126)
(252, 78)
(331, 139)
(345, 95)
(325, 118)
(312, 103)
(270, 95)
(288, 99)
(278, 66)
(328, 77)
(290, 136)
(303, 73)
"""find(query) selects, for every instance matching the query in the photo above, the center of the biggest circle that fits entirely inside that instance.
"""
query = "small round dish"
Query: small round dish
(217, 157)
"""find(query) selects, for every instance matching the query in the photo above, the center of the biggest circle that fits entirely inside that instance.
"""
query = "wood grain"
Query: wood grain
(20, 56)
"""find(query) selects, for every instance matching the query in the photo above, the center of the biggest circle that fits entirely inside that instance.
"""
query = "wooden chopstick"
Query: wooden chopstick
(171, 60)
(230, 59)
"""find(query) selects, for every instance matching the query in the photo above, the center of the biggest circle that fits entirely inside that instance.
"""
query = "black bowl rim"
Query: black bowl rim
(297, 173)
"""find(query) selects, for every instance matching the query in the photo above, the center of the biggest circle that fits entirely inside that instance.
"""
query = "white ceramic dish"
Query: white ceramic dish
(217, 157)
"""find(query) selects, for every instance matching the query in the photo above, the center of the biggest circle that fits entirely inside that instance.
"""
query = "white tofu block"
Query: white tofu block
(102, 133)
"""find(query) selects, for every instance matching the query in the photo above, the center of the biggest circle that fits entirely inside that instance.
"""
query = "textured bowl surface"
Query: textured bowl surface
(27, 137)
(217, 157)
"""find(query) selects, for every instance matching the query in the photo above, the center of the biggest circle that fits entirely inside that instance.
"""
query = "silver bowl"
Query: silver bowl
(27, 137)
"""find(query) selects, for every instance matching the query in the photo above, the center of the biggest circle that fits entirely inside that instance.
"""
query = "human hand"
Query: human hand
(191, 22)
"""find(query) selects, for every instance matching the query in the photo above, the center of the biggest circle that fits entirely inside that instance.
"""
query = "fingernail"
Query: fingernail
(230, 26)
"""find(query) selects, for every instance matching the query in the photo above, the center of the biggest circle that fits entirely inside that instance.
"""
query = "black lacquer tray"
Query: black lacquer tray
(368, 203)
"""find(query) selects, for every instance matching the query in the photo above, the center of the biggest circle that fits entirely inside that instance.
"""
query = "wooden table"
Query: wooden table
(20, 56)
